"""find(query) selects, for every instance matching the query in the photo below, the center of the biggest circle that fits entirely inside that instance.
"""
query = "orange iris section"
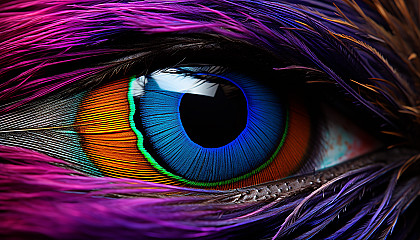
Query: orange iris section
(107, 138)
(109, 142)
(291, 155)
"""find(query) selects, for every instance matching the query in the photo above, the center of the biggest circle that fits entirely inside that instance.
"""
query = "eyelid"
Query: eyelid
(294, 185)
(211, 50)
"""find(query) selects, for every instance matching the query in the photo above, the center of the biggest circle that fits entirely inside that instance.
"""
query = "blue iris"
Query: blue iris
(165, 138)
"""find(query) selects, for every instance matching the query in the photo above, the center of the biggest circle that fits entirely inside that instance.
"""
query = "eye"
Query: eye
(211, 126)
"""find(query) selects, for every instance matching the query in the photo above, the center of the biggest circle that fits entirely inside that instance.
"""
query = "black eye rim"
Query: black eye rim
(125, 58)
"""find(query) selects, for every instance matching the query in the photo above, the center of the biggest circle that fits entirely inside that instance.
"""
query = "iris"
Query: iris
(207, 127)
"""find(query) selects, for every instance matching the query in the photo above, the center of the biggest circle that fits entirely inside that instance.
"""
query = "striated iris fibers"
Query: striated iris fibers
(204, 127)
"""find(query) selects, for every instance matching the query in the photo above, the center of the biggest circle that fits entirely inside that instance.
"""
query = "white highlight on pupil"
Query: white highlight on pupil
(176, 82)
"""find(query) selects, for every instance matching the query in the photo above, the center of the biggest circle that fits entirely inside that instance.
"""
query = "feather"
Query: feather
(365, 50)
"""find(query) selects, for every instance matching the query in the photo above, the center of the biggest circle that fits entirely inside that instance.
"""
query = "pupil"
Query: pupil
(214, 121)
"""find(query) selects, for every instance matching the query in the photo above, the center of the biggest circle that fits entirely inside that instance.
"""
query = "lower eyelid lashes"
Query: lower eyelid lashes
(294, 185)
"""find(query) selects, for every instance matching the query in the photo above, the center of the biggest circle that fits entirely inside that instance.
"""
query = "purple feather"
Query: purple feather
(49, 46)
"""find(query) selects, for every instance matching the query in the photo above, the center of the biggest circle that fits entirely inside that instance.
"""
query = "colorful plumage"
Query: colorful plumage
(56, 56)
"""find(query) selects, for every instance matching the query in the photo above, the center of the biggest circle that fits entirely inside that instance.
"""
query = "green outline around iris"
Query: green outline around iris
(181, 179)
